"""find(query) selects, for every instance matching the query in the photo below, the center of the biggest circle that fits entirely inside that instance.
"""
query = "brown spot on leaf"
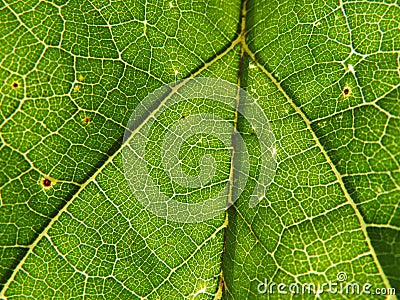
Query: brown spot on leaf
(15, 85)
(346, 91)
(86, 120)
(46, 182)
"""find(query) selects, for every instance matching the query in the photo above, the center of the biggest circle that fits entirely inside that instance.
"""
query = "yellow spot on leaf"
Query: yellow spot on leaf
(15, 85)
(47, 182)
(86, 120)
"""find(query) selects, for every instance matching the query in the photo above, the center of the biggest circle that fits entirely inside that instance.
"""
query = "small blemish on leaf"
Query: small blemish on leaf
(15, 85)
(46, 182)
(346, 91)
(86, 120)
(81, 78)
(77, 88)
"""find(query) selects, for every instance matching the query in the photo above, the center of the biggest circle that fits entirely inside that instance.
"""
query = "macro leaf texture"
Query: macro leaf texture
(326, 75)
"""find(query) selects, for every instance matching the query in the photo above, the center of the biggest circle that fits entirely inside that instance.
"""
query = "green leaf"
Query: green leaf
(326, 75)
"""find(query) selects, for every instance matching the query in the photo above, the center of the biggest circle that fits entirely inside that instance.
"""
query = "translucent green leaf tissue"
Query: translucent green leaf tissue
(276, 177)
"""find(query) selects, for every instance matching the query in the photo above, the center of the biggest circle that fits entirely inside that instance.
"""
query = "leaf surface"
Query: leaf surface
(326, 76)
